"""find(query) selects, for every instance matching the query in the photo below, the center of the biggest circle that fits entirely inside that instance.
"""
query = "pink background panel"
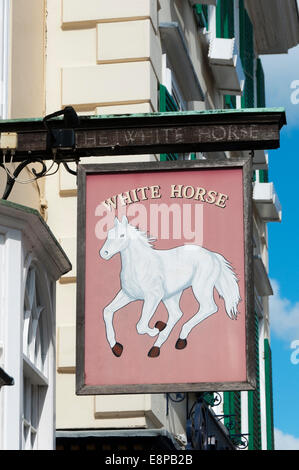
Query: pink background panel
(216, 350)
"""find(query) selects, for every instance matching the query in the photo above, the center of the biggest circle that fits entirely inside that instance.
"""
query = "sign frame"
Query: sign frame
(142, 167)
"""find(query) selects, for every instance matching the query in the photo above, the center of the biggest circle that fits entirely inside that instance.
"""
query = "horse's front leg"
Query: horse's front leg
(118, 302)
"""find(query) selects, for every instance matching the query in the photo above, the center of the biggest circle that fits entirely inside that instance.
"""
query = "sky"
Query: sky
(282, 89)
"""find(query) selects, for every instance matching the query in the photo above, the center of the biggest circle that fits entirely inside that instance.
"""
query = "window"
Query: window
(35, 363)
(262, 176)
(202, 15)
(225, 28)
(269, 394)
(225, 19)
(247, 55)
(232, 412)
(260, 85)
(171, 99)
(254, 405)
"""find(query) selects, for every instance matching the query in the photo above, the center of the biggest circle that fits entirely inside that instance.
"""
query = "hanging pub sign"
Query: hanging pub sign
(164, 288)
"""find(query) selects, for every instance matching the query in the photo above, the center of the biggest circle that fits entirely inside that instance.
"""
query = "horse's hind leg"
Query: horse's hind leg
(172, 305)
(203, 290)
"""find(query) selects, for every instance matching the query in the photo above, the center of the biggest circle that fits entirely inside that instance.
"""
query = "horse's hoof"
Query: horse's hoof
(181, 343)
(154, 352)
(160, 325)
(117, 349)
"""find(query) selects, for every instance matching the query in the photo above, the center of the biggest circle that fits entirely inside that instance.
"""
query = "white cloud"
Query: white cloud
(285, 441)
(284, 315)
(281, 70)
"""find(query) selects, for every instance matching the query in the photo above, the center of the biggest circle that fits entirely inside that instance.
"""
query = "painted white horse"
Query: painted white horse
(162, 275)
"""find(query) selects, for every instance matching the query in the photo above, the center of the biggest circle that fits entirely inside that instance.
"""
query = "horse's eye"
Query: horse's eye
(122, 235)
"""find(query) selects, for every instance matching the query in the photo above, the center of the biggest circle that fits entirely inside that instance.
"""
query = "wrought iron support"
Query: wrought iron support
(179, 397)
(11, 178)
(205, 430)
(240, 440)
(57, 139)
(231, 422)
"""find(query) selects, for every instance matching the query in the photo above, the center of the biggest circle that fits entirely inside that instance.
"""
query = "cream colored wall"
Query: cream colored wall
(26, 85)
(102, 58)
(27, 94)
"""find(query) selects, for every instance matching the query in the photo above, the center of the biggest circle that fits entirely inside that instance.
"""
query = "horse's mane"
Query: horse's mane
(135, 232)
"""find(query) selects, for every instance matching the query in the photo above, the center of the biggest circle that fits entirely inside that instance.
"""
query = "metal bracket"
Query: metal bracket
(179, 397)
(58, 139)
(64, 137)
(240, 440)
(11, 178)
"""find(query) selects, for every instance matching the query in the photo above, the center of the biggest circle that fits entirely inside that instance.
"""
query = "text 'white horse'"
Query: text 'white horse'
(162, 275)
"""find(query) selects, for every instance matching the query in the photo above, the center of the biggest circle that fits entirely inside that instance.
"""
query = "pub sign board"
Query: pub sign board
(164, 277)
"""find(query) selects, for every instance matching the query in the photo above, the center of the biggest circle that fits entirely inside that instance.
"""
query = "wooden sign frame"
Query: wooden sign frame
(84, 171)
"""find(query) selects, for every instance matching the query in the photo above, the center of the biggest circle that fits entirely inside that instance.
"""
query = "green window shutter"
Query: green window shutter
(269, 395)
(260, 85)
(232, 408)
(261, 103)
(229, 102)
(247, 56)
(225, 28)
(202, 15)
(167, 104)
(208, 397)
(263, 176)
(254, 406)
(225, 19)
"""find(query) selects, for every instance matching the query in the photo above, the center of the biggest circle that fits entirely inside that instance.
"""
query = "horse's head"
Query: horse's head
(117, 239)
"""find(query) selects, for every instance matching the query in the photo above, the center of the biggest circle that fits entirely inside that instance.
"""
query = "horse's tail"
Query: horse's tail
(227, 287)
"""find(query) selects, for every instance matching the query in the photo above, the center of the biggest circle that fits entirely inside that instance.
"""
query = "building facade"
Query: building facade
(144, 56)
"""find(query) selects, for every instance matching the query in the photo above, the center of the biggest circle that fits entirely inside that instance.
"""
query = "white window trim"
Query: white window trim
(42, 381)
(12, 322)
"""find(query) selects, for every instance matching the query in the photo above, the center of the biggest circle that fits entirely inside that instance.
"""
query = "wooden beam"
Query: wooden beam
(179, 132)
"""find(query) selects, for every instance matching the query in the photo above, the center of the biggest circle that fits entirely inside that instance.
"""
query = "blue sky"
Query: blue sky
(282, 89)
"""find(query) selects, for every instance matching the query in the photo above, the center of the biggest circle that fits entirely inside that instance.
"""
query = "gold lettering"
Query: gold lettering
(111, 202)
(211, 197)
(185, 191)
(155, 194)
(134, 194)
(125, 198)
(143, 190)
(176, 192)
(200, 192)
(221, 201)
